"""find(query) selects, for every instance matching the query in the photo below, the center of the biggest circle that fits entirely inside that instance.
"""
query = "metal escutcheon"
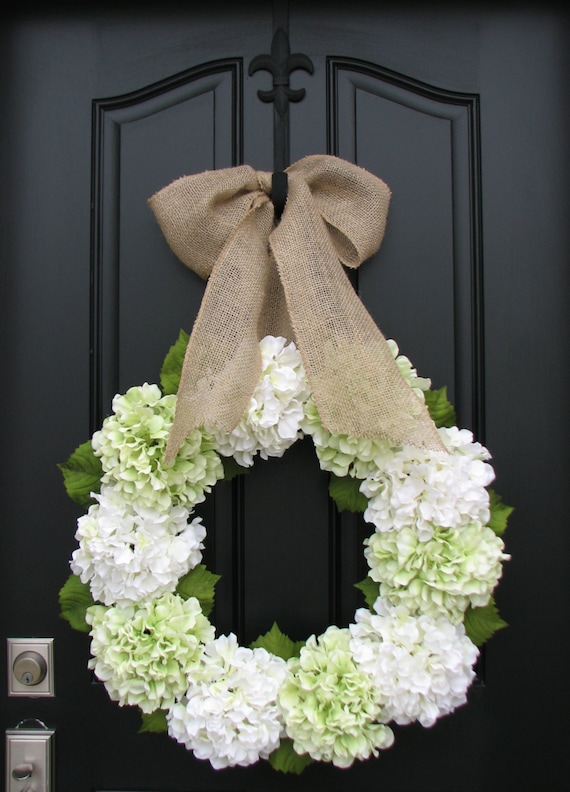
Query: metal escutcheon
(30, 757)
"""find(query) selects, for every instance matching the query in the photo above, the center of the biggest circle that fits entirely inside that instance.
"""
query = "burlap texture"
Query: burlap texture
(286, 280)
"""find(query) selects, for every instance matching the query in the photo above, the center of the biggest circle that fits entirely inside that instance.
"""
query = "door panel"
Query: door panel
(143, 141)
(425, 143)
(463, 114)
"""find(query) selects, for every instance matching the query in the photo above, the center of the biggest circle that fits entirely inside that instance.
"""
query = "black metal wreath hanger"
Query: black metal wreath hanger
(280, 63)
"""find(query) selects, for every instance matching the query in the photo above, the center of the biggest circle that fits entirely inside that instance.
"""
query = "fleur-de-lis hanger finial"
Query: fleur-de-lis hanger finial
(280, 64)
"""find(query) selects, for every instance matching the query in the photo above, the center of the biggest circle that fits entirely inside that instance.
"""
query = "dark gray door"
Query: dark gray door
(463, 113)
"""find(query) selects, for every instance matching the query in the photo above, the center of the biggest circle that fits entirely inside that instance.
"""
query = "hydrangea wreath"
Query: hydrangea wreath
(139, 589)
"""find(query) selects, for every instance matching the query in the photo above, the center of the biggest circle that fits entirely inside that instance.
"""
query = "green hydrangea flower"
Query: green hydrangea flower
(132, 442)
(441, 576)
(418, 384)
(329, 705)
(341, 454)
(143, 653)
(345, 455)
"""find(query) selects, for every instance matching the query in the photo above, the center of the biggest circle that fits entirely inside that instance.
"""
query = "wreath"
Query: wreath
(138, 586)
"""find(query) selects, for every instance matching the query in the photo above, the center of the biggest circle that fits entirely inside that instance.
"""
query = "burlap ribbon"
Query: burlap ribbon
(286, 280)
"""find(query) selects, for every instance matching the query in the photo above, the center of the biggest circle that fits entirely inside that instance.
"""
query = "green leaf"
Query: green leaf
(74, 599)
(440, 408)
(154, 722)
(482, 623)
(500, 513)
(82, 474)
(286, 760)
(370, 589)
(346, 493)
(232, 469)
(278, 643)
(172, 365)
(199, 583)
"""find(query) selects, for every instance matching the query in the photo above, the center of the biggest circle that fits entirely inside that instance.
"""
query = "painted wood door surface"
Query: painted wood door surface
(462, 110)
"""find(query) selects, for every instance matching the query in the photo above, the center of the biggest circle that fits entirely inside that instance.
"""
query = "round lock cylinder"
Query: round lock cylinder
(29, 668)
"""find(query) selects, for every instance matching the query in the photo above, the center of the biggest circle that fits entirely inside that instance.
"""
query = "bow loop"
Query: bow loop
(286, 279)
(198, 214)
(335, 184)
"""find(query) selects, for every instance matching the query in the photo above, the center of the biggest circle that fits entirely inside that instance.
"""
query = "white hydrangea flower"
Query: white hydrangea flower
(271, 423)
(421, 666)
(143, 653)
(229, 713)
(131, 445)
(128, 552)
(412, 487)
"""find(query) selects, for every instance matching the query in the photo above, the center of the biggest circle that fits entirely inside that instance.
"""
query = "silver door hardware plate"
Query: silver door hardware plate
(30, 667)
(29, 760)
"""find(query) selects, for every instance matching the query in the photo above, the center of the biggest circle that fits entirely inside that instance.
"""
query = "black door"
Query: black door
(463, 113)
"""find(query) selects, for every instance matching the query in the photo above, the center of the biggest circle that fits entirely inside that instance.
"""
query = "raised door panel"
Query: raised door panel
(424, 286)
(142, 141)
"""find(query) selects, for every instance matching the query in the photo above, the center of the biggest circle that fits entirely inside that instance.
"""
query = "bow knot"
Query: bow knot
(264, 181)
(286, 280)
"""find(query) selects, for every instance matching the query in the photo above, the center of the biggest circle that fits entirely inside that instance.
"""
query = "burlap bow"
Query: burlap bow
(286, 280)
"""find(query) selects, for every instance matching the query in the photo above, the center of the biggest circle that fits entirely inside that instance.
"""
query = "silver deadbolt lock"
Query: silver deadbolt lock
(30, 668)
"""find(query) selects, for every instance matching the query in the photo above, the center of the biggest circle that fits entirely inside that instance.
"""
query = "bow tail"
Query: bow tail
(355, 381)
(275, 319)
(222, 363)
